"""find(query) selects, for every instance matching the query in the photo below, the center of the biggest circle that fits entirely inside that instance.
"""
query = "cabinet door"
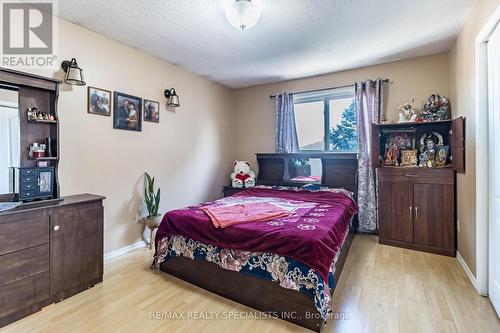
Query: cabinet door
(434, 217)
(45, 182)
(458, 145)
(396, 211)
(76, 251)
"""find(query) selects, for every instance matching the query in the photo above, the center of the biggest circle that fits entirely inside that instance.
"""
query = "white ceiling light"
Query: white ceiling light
(243, 14)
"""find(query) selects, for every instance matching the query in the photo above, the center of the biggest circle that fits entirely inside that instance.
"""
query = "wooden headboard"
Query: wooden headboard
(338, 169)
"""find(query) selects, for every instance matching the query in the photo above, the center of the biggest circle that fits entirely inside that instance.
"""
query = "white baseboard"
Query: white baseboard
(124, 250)
(469, 274)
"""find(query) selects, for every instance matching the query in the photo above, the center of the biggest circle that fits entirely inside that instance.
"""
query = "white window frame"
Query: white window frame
(325, 96)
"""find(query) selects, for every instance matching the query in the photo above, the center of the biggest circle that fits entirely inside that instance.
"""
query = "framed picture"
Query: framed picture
(409, 157)
(127, 112)
(98, 101)
(151, 111)
(441, 158)
(391, 154)
(402, 140)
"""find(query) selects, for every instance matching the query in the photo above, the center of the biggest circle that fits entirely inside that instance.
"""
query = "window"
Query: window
(326, 120)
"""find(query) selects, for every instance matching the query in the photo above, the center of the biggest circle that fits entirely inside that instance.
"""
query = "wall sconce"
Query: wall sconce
(173, 99)
(74, 74)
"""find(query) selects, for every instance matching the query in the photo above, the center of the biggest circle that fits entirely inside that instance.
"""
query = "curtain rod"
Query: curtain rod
(330, 88)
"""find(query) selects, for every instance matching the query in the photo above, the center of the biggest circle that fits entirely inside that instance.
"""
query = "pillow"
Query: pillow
(311, 187)
(308, 187)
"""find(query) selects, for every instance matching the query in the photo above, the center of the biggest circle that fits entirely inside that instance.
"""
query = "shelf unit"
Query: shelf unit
(42, 93)
(452, 131)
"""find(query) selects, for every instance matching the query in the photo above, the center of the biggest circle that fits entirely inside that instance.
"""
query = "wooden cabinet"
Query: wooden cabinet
(75, 251)
(416, 209)
(400, 210)
(434, 216)
(416, 205)
(49, 251)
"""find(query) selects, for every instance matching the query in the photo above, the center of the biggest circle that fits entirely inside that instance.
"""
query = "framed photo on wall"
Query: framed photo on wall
(127, 112)
(98, 101)
(151, 111)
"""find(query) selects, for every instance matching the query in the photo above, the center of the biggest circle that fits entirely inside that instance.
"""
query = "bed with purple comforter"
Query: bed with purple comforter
(297, 252)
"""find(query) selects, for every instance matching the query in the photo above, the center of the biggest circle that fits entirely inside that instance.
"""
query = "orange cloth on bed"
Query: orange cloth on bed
(225, 216)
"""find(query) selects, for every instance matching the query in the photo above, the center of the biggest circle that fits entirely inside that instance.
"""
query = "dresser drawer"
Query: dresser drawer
(28, 186)
(20, 235)
(28, 179)
(416, 175)
(27, 172)
(23, 297)
(19, 265)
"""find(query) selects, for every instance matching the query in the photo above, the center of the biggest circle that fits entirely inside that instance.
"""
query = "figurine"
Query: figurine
(383, 119)
(428, 151)
(436, 108)
(407, 113)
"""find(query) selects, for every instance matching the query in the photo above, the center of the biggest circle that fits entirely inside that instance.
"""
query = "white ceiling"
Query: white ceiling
(293, 39)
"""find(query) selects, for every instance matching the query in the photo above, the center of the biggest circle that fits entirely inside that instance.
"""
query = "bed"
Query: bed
(286, 267)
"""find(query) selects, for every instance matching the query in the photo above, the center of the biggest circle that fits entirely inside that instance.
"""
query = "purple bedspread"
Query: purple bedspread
(313, 235)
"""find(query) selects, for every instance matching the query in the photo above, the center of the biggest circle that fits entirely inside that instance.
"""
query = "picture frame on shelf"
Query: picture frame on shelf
(391, 154)
(441, 158)
(409, 158)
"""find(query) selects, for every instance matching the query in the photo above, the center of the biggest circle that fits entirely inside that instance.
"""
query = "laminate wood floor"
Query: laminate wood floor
(382, 289)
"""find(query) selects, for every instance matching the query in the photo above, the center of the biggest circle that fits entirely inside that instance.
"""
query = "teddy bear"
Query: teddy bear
(242, 175)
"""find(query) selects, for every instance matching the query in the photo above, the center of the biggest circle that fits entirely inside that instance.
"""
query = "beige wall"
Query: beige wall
(189, 151)
(462, 94)
(417, 78)
(193, 146)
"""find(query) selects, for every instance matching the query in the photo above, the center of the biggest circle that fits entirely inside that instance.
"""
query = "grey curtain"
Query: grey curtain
(369, 103)
(286, 132)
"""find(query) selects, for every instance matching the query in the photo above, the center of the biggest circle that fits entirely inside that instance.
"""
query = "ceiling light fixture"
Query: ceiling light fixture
(243, 14)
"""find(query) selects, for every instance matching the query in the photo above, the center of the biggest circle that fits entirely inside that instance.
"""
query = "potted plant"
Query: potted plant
(152, 202)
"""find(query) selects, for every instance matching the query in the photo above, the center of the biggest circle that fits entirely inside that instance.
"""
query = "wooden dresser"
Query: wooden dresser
(48, 252)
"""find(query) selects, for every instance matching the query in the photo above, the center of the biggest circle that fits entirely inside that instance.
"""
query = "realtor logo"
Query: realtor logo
(27, 28)
(28, 33)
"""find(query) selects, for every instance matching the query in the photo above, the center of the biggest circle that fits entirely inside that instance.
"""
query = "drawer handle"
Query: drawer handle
(416, 213)
(412, 175)
(411, 212)
(56, 227)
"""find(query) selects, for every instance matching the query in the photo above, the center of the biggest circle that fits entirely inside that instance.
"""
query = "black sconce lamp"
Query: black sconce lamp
(74, 74)
(173, 99)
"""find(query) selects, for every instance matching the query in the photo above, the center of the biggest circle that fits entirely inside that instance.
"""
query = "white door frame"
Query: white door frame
(482, 172)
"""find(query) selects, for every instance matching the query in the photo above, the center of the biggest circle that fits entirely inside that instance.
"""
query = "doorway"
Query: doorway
(487, 99)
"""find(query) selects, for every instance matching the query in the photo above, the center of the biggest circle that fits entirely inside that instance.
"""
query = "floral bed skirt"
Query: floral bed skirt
(287, 272)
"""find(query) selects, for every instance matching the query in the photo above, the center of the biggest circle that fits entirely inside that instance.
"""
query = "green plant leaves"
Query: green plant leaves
(151, 199)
